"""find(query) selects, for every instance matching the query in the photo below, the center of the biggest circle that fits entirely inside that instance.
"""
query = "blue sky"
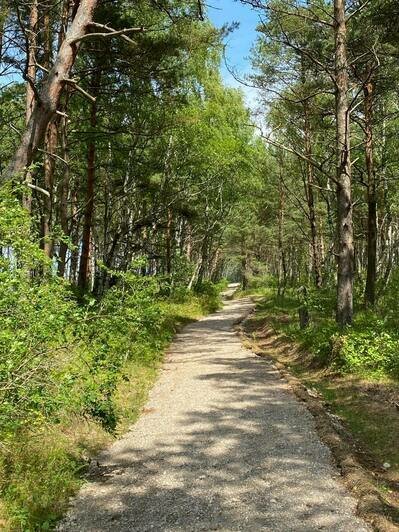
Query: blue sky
(239, 42)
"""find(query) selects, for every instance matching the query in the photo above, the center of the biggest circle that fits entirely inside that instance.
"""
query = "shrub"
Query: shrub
(366, 352)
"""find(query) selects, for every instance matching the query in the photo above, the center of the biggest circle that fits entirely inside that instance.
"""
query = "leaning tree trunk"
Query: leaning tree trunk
(46, 105)
(345, 249)
(370, 290)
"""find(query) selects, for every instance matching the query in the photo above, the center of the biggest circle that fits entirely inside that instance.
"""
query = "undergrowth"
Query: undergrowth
(368, 348)
(73, 374)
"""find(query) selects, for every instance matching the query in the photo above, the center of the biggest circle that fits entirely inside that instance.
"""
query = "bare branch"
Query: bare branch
(110, 32)
(357, 10)
(38, 189)
(80, 89)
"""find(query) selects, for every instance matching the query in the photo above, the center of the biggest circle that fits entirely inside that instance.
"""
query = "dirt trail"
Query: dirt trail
(222, 444)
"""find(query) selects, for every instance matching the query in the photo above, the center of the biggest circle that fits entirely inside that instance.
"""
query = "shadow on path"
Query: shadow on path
(224, 446)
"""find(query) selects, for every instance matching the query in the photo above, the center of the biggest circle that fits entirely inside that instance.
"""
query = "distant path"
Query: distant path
(222, 445)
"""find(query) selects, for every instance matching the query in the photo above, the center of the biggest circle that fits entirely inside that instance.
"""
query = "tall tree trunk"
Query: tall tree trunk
(64, 182)
(30, 83)
(216, 264)
(49, 168)
(74, 234)
(244, 265)
(345, 249)
(31, 60)
(282, 263)
(50, 145)
(370, 290)
(50, 94)
(3, 17)
(189, 241)
(386, 235)
(89, 205)
(316, 259)
(203, 260)
(63, 197)
(168, 242)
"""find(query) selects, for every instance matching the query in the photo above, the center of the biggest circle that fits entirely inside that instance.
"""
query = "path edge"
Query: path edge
(370, 505)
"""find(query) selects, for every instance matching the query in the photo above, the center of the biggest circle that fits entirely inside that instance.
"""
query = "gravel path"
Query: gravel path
(222, 445)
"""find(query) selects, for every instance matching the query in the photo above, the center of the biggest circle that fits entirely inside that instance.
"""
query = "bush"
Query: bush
(367, 352)
(370, 347)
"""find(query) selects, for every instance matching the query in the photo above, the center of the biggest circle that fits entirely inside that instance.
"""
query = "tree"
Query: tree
(48, 98)
(345, 251)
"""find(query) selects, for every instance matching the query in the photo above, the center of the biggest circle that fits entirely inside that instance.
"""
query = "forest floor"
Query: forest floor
(356, 417)
(222, 444)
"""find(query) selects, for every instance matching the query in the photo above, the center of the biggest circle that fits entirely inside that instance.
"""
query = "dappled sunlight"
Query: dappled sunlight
(222, 445)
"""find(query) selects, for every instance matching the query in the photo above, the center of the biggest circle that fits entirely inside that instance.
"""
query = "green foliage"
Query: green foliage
(62, 362)
(368, 348)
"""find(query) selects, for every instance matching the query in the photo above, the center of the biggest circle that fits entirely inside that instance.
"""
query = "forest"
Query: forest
(135, 183)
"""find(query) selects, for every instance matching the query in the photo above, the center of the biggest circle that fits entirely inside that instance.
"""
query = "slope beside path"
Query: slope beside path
(222, 444)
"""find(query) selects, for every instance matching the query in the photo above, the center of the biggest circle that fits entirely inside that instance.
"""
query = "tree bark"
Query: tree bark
(74, 234)
(345, 248)
(244, 265)
(370, 290)
(203, 260)
(63, 198)
(316, 259)
(50, 94)
(168, 242)
(49, 168)
(30, 73)
(89, 206)
(31, 60)
(282, 263)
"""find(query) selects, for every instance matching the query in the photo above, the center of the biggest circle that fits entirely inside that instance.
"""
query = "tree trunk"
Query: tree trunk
(89, 205)
(63, 197)
(30, 82)
(74, 234)
(203, 261)
(282, 263)
(3, 17)
(50, 143)
(244, 266)
(50, 94)
(189, 241)
(31, 60)
(49, 168)
(345, 250)
(168, 242)
(315, 249)
(370, 290)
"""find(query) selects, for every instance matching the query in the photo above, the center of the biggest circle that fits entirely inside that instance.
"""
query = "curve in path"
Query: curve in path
(223, 445)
